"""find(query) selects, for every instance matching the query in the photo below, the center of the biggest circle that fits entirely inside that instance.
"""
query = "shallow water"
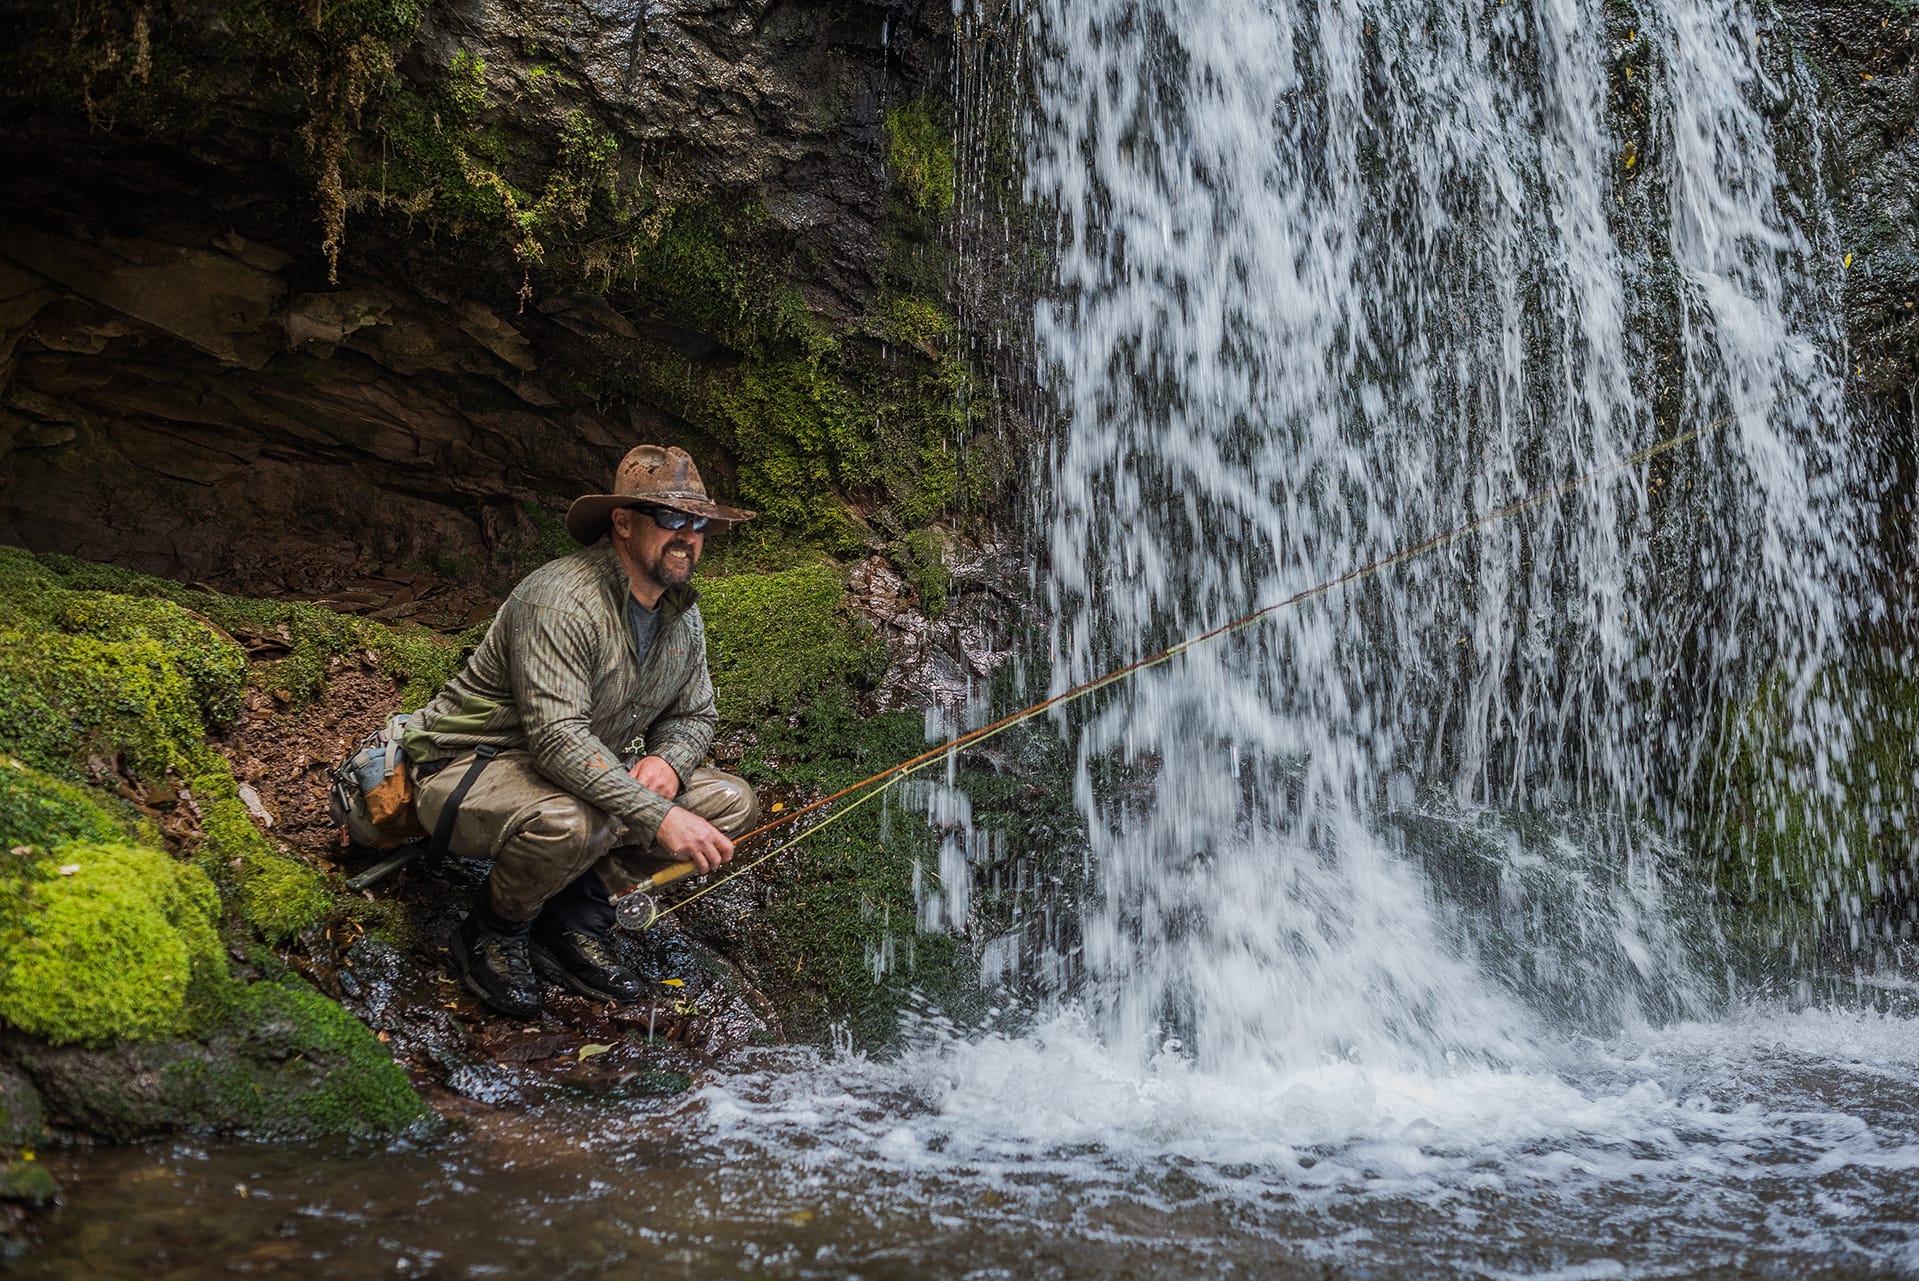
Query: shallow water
(1772, 1143)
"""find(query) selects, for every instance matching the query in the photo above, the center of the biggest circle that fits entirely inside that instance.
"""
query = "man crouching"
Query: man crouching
(570, 745)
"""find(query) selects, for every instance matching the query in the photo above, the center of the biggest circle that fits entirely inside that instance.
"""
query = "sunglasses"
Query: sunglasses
(668, 519)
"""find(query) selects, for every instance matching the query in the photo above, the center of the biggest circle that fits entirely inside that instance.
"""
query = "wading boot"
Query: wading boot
(573, 944)
(585, 963)
(490, 959)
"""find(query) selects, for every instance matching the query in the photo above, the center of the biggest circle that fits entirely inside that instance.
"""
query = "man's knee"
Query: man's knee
(566, 827)
(727, 801)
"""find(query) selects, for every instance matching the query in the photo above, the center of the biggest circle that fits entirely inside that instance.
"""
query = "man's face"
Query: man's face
(667, 556)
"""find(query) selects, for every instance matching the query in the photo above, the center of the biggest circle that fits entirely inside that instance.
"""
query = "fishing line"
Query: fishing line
(878, 784)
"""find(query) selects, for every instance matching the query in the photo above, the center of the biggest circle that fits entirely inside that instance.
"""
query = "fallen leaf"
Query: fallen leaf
(672, 982)
(68, 869)
(588, 1051)
(1846, 261)
(251, 799)
(384, 1037)
(778, 806)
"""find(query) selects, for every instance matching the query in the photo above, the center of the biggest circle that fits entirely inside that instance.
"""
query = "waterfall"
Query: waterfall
(1335, 277)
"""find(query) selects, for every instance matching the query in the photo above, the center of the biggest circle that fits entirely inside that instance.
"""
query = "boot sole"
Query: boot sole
(462, 967)
(548, 967)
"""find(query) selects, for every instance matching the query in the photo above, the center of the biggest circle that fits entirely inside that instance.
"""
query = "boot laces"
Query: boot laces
(508, 957)
(596, 951)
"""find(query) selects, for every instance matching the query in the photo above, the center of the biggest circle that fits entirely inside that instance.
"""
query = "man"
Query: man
(592, 688)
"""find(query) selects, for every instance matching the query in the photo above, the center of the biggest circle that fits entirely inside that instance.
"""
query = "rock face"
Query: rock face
(553, 231)
(1868, 59)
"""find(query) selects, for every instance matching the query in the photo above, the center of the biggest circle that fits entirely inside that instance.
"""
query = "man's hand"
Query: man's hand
(687, 836)
(654, 773)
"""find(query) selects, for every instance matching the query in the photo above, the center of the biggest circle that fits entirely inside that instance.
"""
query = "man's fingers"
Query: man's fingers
(688, 836)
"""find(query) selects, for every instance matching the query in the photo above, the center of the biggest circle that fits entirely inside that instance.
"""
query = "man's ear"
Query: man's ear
(622, 522)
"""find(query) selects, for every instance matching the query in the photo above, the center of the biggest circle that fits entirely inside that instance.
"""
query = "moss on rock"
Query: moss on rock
(118, 942)
(214, 666)
(109, 946)
(63, 698)
(833, 936)
(415, 658)
(919, 151)
(773, 639)
(1817, 792)
(27, 1180)
(294, 1063)
(42, 812)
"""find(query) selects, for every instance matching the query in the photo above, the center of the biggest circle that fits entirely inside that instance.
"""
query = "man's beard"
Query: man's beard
(669, 570)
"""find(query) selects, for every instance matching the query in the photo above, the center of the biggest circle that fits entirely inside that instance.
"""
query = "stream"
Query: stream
(1771, 1143)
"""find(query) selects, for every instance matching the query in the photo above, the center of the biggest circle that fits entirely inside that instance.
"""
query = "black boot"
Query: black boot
(490, 958)
(573, 944)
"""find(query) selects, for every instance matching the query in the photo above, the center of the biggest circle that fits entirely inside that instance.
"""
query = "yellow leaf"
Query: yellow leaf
(800, 1218)
(1846, 261)
(588, 1051)
(1632, 158)
(778, 806)
(672, 982)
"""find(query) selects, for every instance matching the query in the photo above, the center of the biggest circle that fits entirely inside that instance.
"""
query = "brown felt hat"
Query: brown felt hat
(663, 475)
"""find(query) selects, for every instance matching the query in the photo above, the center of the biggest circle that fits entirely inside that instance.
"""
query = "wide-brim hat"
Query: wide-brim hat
(663, 475)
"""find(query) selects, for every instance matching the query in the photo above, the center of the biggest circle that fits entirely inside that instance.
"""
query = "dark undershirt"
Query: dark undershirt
(644, 624)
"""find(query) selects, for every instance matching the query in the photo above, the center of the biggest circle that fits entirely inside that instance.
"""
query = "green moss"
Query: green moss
(339, 1078)
(921, 558)
(30, 595)
(43, 812)
(845, 899)
(707, 267)
(278, 896)
(26, 1180)
(1818, 819)
(833, 936)
(418, 659)
(916, 322)
(118, 943)
(919, 151)
(154, 669)
(466, 84)
(212, 663)
(773, 639)
(63, 698)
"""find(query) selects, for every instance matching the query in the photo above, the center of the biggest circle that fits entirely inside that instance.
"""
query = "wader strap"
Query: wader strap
(443, 830)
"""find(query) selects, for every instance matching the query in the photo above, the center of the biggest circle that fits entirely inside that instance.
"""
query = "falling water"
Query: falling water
(1334, 278)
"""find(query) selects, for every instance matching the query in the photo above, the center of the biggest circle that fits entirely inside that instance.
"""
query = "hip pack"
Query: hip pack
(372, 793)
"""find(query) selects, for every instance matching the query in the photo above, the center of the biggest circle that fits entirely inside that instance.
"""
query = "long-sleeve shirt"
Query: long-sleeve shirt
(558, 676)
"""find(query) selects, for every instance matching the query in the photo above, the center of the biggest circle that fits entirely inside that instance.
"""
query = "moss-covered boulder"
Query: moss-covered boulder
(118, 911)
(283, 1062)
(116, 942)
